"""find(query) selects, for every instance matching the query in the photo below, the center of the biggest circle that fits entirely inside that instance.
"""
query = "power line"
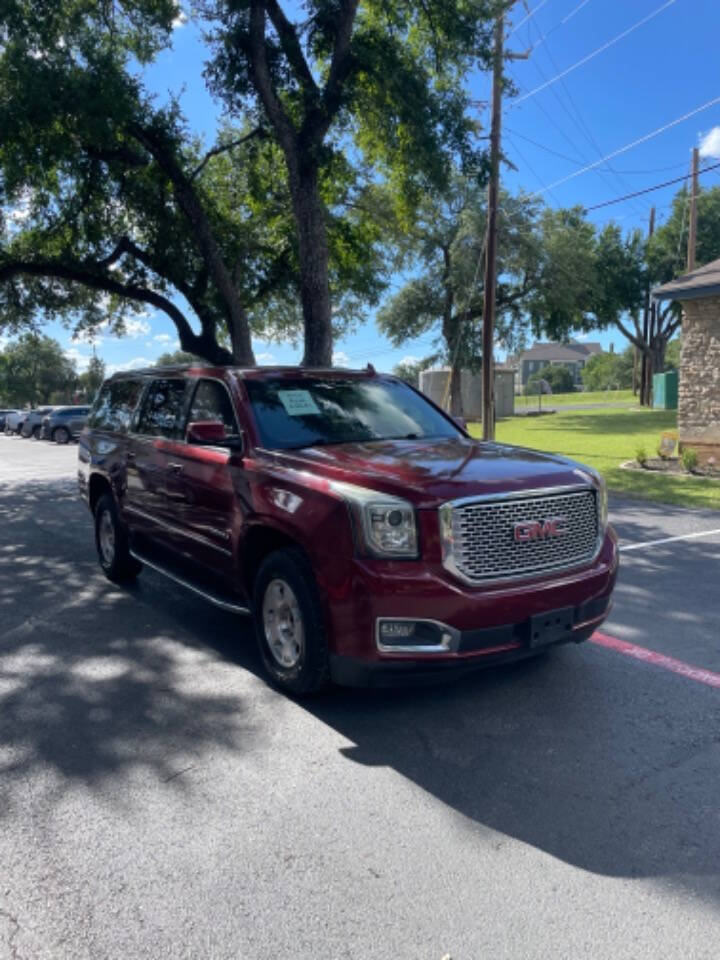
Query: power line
(635, 143)
(575, 117)
(595, 53)
(540, 146)
(560, 23)
(529, 15)
(530, 168)
(638, 193)
(583, 127)
(551, 119)
(579, 163)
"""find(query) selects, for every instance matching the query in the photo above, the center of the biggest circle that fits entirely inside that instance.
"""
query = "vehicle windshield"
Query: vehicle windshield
(312, 411)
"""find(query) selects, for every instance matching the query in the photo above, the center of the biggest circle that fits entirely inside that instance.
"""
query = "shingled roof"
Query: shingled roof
(703, 282)
(560, 352)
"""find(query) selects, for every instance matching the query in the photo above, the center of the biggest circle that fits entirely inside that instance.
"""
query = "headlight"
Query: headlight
(387, 524)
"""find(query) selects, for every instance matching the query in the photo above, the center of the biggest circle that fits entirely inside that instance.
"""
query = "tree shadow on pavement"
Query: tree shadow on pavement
(609, 765)
(89, 687)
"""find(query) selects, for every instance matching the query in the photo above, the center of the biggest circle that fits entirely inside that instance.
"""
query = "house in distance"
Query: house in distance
(573, 355)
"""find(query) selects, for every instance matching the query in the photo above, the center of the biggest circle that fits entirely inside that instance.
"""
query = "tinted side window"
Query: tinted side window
(115, 405)
(162, 412)
(212, 403)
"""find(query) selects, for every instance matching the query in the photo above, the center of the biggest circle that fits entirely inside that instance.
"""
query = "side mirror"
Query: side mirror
(211, 433)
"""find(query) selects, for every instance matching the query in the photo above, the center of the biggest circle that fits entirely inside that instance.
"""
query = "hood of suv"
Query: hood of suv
(430, 472)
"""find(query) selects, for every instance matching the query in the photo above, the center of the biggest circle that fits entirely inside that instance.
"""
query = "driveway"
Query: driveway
(159, 800)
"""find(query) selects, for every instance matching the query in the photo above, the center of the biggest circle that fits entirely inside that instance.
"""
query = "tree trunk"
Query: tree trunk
(656, 361)
(456, 404)
(240, 339)
(314, 264)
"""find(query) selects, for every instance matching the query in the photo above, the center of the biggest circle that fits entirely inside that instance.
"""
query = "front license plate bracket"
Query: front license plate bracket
(551, 627)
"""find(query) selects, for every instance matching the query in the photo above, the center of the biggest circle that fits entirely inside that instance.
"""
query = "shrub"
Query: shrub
(689, 459)
(559, 378)
(641, 456)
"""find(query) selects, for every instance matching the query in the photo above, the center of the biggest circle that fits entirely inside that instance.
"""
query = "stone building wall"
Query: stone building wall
(699, 387)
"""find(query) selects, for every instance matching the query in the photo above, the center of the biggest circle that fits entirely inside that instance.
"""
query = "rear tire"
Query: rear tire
(111, 541)
(289, 624)
(61, 435)
(36, 433)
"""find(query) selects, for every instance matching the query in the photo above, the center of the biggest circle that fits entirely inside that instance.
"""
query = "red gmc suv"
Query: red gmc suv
(369, 535)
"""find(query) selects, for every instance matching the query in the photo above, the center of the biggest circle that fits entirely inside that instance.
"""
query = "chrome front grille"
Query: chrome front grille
(479, 537)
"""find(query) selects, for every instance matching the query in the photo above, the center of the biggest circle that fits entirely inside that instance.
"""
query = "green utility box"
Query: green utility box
(665, 391)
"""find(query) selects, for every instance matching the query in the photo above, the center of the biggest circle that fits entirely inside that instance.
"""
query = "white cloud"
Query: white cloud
(137, 363)
(181, 18)
(340, 359)
(710, 144)
(81, 360)
(135, 327)
(265, 358)
(164, 338)
(410, 360)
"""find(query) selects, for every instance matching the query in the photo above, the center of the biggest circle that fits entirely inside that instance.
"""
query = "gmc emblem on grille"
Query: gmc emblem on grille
(540, 529)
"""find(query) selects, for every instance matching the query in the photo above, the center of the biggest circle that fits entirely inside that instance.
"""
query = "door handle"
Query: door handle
(130, 455)
(175, 467)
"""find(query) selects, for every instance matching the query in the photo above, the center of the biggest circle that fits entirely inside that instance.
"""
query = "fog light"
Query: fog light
(424, 636)
(396, 629)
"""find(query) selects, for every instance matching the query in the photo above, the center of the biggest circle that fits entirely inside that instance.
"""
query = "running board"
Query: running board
(211, 597)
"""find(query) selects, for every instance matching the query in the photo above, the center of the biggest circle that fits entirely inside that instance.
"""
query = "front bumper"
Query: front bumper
(490, 624)
(477, 648)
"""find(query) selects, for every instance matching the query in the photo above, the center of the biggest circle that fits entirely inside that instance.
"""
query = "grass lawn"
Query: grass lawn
(606, 438)
(564, 399)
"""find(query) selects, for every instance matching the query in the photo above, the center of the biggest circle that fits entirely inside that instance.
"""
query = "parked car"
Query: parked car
(3, 417)
(14, 421)
(32, 425)
(64, 424)
(370, 535)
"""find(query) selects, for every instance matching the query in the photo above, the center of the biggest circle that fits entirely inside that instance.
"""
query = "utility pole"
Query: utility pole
(488, 369)
(488, 330)
(645, 366)
(692, 236)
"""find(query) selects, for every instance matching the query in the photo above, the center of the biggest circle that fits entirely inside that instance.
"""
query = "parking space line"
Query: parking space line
(655, 543)
(657, 659)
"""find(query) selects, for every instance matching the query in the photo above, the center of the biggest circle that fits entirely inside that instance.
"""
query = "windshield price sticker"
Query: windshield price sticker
(298, 403)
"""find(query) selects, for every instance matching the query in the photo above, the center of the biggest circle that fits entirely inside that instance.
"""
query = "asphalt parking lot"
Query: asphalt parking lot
(159, 800)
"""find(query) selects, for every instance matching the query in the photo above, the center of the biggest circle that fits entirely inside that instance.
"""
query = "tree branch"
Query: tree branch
(94, 279)
(263, 81)
(340, 66)
(223, 148)
(639, 343)
(293, 51)
(191, 205)
(673, 328)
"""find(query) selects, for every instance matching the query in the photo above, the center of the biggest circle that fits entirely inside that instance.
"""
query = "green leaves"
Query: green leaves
(33, 369)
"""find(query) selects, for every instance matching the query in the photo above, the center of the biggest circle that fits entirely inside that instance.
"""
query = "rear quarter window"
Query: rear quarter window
(115, 405)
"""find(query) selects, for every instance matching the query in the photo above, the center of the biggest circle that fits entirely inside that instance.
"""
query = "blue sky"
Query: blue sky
(659, 71)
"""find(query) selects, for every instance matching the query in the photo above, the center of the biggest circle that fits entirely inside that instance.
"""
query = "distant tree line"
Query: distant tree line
(35, 371)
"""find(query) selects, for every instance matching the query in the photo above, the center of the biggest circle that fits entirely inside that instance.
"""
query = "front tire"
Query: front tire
(61, 435)
(289, 623)
(111, 541)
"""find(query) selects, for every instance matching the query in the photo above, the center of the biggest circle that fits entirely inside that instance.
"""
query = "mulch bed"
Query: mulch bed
(672, 465)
